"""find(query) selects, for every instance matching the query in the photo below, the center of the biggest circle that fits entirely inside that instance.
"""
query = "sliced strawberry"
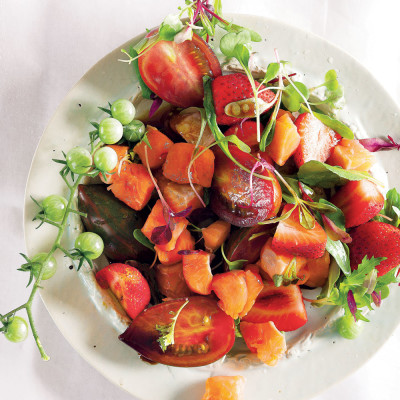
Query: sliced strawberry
(351, 154)
(128, 285)
(265, 340)
(254, 286)
(231, 289)
(156, 218)
(246, 131)
(179, 196)
(197, 272)
(293, 238)
(276, 262)
(282, 305)
(318, 270)
(359, 200)
(231, 88)
(316, 140)
(376, 239)
(184, 242)
(224, 388)
(171, 282)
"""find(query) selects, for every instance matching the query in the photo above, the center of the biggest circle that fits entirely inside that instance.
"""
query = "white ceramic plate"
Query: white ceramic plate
(94, 334)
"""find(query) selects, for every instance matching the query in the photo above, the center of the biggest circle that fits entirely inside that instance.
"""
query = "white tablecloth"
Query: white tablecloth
(45, 47)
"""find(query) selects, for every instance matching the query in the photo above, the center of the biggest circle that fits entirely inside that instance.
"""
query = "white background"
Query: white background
(45, 47)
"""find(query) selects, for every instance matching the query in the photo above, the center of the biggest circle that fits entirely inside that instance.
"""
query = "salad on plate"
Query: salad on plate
(219, 216)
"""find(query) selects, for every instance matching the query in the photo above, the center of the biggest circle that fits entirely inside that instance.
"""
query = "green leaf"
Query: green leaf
(237, 264)
(387, 279)
(316, 173)
(340, 252)
(391, 208)
(357, 277)
(146, 92)
(339, 127)
(292, 99)
(307, 220)
(240, 144)
(272, 72)
(336, 216)
(207, 25)
(331, 81)
(139, 236)
(218, 7)
(170, 27)
(231, 40)
(242, 54)
(334, 273)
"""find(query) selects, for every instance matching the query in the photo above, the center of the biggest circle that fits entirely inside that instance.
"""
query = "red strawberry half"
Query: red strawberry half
(316, 140)
(231, 88)
(282, 305)
(246, 131)
(291, 237)
(359, 200)
(376, 239)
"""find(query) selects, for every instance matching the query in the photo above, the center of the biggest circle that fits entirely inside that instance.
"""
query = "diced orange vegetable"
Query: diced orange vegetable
(283, 112)
(156, 218)
(224, 388)
(184, 242)
(318, 270)
(171, 282)
(350, 154)
(231, 289)
(160, 145)
(285, 141)
(197, 272)
(274, 262)
(256, 269)
(122, 152)
(215, 234)
(254, 285)
(177, 163)
(133, 186)
(265, 340)
(179, 196)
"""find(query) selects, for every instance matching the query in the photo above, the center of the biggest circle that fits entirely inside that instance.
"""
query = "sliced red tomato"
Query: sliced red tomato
(282, 305)
(203, 332)
(175, 71)
(128, 285)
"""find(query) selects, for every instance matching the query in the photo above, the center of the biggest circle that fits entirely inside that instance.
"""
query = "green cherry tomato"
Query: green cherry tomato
(105, 159)
(54, 207)
(134, 131)
(123, 110)
(16, 330)
(110, 131)
(90, 244)
(50, 266)
(347, 327)
(79, 160)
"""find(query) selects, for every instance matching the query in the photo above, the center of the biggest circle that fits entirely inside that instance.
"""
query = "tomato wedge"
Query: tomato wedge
(175, 71)
(203, 332)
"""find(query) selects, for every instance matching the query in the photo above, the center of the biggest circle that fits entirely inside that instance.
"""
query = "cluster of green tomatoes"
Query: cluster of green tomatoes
(53, 209)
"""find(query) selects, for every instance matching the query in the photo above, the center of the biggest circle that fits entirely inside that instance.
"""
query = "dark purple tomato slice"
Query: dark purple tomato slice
(203, 333)
(232, 198)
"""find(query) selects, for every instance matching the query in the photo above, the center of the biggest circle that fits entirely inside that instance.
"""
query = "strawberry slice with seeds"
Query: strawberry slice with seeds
(376, 239)
(282, 305)
(316, 140)
(232, 88)
(197, 272)
(291, 237)
(360, 201)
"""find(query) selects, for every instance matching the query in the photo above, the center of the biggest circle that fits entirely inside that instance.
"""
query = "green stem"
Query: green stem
(84, 215)
(47, 221)
(66, 252)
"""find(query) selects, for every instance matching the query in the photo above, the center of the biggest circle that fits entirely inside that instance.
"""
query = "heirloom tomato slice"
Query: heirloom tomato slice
(175, 72)
(203, 332)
